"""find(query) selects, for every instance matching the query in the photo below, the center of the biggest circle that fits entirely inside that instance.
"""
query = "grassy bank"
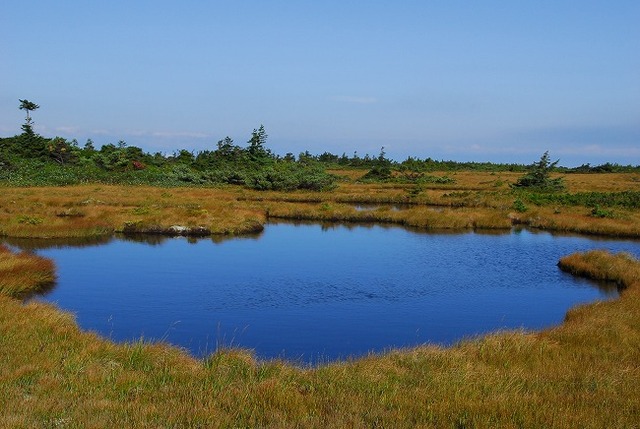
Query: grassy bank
(473, 200)
(24, 273)
(94, 210)
(583, 373)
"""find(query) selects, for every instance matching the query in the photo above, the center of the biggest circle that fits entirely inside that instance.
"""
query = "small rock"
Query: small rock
(178, 230)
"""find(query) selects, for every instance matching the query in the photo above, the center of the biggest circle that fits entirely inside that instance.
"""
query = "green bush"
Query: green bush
(290, 176)
(599, 212)
(379, 173)
(539, 178)
(30, 220)
(624, 199)
(441, 180)
(519, 206)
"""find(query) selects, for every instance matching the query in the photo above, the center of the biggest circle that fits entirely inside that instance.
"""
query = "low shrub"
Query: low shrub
(599, 212)
(519, 206)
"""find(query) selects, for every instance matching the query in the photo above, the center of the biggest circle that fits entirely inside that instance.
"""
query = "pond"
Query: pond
(311, 293)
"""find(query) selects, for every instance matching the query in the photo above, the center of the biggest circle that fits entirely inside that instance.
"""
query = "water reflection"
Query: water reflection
(314, 292)
(355, 225)
(32, 244)
(42, 291)
(383, 207)
(149, 239)
(159, 239)
(608, 288)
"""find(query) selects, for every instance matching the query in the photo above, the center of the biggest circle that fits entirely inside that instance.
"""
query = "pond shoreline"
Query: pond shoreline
(95, 210)
(274, 286)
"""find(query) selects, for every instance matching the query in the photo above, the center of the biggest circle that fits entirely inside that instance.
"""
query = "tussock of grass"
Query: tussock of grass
(622, 268)
(22, 273)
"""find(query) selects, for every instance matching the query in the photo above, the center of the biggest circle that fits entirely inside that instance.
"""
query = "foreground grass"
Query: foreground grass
(583, 373)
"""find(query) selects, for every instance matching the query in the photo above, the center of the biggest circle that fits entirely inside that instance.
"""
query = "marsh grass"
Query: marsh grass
(424, 217)
(475, 200)
(104, 209)
(580, 220)
(23, 273)
(622, 268)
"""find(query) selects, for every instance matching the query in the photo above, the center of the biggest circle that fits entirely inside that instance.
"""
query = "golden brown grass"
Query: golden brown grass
(607, 182)
(475, 200)
(23, 273)
(481, 180)
(579, 220)
(89, 210)
(622, 268)
(418, 216)
(583, 373)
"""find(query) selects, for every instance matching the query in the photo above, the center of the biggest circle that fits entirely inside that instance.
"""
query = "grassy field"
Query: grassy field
(583, 373)
(474, 200)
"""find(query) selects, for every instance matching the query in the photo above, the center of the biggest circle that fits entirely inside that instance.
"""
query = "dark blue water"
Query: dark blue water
(310, 293)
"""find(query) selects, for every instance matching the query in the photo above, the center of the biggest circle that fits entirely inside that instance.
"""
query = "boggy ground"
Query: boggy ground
(475, 200)
(583, 373)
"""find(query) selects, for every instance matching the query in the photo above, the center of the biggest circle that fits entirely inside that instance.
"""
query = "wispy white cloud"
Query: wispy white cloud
(463, 147)
(67, 129)
(165, 134)
(179, 134)
(101, 132)
(587, 150)
(74, 130)
(354, 99)
(601, 150)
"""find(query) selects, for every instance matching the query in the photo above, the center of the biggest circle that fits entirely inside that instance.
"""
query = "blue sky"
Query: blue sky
(486, 81)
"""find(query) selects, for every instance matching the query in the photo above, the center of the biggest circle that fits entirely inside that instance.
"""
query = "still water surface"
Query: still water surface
(310, 293)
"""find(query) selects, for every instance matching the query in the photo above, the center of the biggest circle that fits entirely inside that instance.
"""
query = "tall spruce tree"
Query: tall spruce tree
(29, 106)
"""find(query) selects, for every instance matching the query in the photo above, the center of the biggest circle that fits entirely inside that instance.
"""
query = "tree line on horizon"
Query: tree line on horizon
(30, 158)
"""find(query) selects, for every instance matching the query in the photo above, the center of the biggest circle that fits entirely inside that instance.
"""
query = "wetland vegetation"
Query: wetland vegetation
(582, 373)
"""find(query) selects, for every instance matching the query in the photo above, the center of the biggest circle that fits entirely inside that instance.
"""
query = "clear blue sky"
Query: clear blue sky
(487, 80)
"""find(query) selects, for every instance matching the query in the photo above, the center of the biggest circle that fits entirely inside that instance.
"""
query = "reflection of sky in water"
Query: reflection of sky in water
(314, 292)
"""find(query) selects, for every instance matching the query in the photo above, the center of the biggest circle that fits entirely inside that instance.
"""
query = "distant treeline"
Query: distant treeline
(31, 159)
(429, 164)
